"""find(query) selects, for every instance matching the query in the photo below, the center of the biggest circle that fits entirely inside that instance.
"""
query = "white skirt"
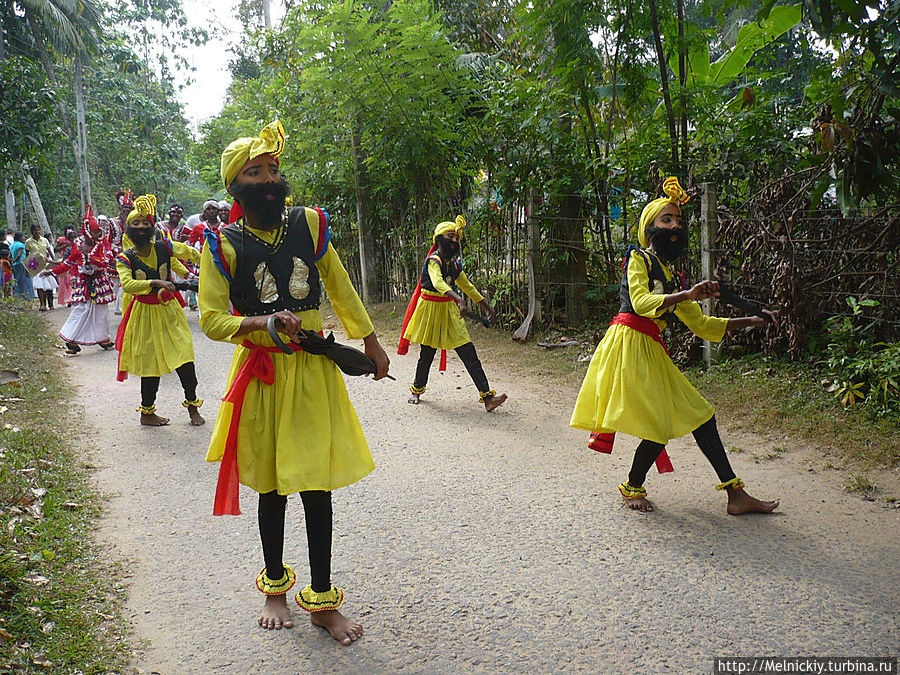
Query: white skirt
(47, 283)
(88, 324)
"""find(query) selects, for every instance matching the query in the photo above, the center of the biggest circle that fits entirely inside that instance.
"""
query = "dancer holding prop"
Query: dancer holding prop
(632, 386)
(286, 423)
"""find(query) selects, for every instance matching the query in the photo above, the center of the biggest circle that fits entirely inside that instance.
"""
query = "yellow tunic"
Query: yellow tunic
(631, 385)
(300, 433)
(439, 324)
(157, 338)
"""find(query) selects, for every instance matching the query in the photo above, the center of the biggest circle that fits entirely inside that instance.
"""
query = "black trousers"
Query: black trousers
(186, 373)
(466, 354)
(318, 512)
(707, 437)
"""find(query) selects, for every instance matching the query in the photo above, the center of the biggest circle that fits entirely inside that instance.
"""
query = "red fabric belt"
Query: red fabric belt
(604, 442)
(149, 299)
(436, 298)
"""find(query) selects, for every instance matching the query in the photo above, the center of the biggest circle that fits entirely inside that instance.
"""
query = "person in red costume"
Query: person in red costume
(88, 267)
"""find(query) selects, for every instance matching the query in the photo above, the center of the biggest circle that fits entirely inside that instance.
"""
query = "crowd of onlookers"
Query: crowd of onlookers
(22, 258)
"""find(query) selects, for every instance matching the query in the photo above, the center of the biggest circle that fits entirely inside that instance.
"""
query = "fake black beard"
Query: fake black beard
(661, 242)
(447, 248)
(140, 237)
(263, 200)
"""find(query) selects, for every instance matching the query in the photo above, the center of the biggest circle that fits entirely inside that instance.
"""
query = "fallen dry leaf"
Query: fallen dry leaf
(7, 376)
(5, 635)
(41, 660)
(36, 579)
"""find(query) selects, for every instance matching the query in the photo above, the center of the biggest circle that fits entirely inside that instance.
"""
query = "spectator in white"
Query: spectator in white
(224, 212)
(209, 218)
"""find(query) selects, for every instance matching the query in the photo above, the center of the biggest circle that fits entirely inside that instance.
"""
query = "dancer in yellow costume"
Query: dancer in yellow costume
(286, 423)
(632, 386)
(154, 337)
(434, 316)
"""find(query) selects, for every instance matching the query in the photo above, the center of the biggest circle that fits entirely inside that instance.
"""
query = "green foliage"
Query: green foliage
(27, 105)
(867, 369)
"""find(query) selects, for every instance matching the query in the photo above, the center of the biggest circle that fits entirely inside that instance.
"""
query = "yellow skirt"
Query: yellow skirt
(437, 324)
(299, 433)
(632, 386)
(157, 340)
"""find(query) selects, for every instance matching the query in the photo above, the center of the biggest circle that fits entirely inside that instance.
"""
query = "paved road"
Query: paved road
(487, 543)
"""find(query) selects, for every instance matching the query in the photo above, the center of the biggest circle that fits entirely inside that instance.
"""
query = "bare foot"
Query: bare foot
(275, 614)
(341, 628)
(638, 504)
(153, 420)
(740, 502)
(196, 419)
(414, 399)
(495, 402)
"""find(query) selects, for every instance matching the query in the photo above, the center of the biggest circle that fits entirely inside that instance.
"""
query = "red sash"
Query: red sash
(604, 442)
(149, 299)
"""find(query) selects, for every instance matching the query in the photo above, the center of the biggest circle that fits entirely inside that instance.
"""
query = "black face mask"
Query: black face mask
(263, 200)
(447, 248)
(662, 244)
(140, 237)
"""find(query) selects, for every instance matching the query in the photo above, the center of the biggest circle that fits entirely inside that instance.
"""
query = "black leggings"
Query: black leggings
(707, 437)
(186, 373)
(317, 508)
(466, 354)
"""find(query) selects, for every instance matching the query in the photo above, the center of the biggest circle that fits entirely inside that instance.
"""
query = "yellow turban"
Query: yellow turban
(270, 141)
(144, 207)
(675, 194)
(447, 226)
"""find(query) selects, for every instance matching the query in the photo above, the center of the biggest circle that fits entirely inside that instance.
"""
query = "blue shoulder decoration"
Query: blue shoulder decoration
(215, 250)
(324, 234)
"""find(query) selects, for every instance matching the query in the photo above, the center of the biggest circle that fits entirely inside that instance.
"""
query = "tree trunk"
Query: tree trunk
(63, 113)
(10, 209)
(522, 331)
(664, 81)
(267, 15)
(367, 268)
(85, 177)
(36, 204)
(682, 79)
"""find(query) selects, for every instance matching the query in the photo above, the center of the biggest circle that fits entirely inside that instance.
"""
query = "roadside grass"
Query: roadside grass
(755, 393)
(60, 603)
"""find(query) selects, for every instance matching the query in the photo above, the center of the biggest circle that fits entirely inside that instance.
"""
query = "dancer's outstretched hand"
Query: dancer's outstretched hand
(379, 357)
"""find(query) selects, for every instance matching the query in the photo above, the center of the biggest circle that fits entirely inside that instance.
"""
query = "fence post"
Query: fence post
(708, 235)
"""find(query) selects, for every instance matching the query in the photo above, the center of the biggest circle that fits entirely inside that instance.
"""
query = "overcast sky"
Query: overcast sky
(204, 98)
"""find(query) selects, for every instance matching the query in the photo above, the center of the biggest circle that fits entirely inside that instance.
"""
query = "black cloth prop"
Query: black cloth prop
(188, 285)
(729, 297)
(351, 361)
(483, 320)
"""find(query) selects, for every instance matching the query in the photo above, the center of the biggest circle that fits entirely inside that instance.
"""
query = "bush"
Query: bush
(867, 370)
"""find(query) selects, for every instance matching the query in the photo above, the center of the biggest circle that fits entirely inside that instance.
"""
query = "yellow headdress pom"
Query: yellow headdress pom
(144, 207)
(676, 193)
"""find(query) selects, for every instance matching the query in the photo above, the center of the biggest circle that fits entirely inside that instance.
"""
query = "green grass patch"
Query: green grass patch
(60, 605)
(754, 392)
(758, 393)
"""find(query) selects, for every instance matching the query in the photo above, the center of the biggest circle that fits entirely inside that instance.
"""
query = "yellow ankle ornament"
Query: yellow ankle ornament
(311, 601)
(416, 390)
(276, 586)
(630, 492)
(146, 409)
(196, 403)
(733, 484)
(484, 395)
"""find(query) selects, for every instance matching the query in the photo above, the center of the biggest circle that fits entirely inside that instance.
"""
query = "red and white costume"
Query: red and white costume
(88, 267)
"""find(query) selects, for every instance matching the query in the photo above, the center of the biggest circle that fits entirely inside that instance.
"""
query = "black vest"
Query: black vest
(655, 272)
(271, 277)
(450, 270)
(163, 257)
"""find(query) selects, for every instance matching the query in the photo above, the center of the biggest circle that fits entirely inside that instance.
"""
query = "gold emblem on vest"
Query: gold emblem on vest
(298, 286)
(265, 284)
